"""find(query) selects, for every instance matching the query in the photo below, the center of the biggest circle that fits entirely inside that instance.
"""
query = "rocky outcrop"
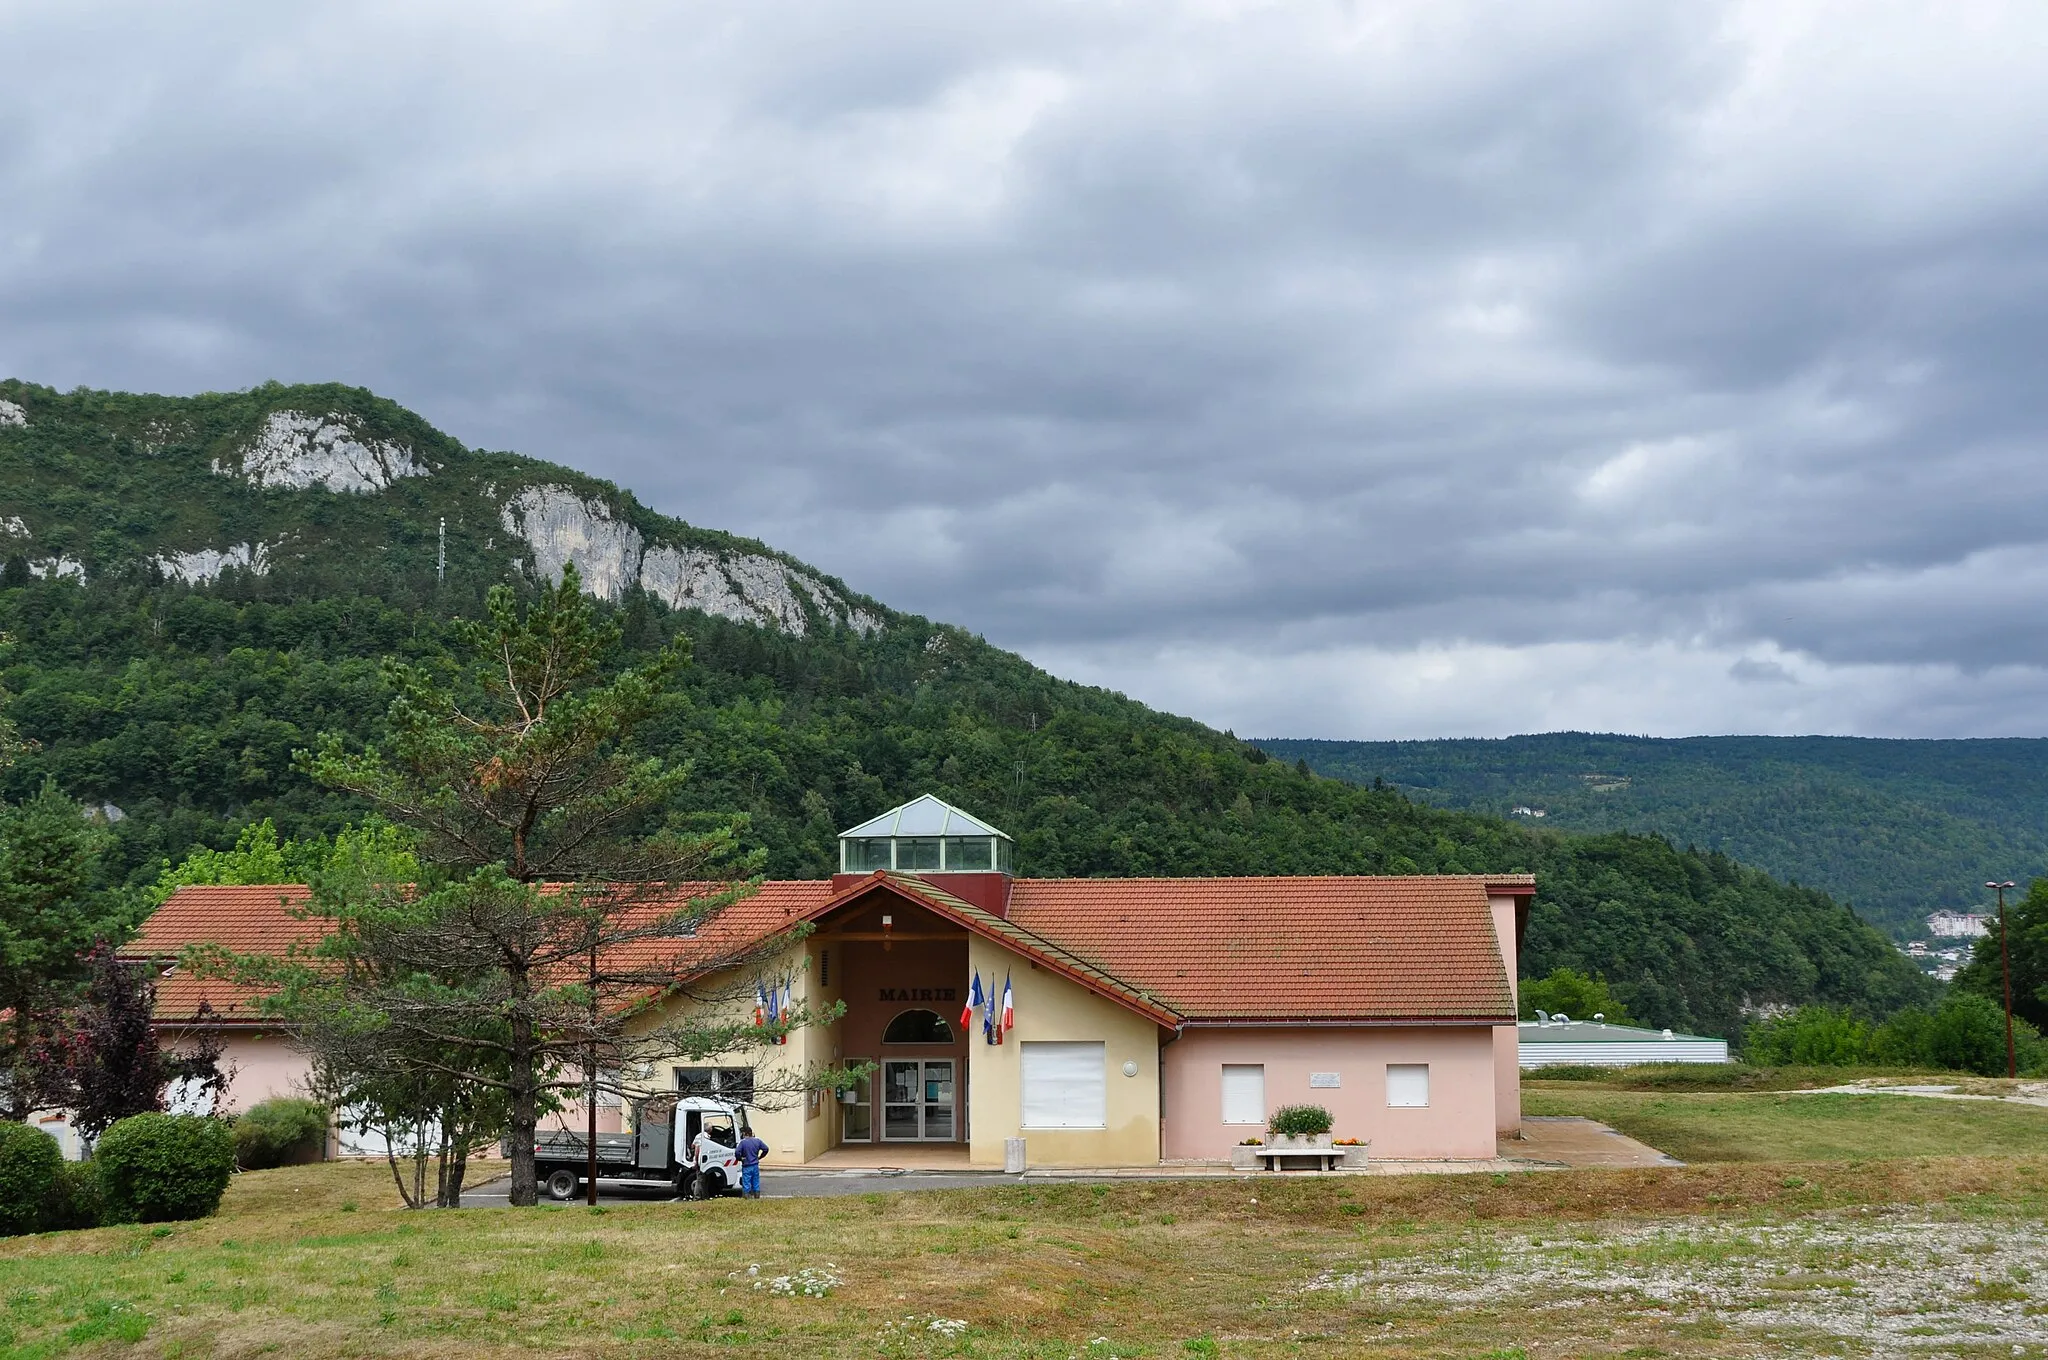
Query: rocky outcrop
(298, 450)
(206, 564)
(559, 527)
(11, 414)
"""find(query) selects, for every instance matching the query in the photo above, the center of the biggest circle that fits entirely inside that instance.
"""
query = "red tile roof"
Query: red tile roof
(1267, 950)
(247, 920)
(1198, 950)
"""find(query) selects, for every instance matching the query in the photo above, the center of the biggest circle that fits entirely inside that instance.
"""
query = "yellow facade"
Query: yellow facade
(1050, 1008)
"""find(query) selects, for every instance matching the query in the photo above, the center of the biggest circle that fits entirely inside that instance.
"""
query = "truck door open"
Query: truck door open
(651, 1132)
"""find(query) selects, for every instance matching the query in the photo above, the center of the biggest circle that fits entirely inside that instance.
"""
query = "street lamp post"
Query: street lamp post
(2012, 1066)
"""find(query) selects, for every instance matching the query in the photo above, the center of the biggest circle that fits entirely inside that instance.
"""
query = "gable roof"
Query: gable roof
(1350, 950)
(248, 920)
(1202, 951)
(924, 815)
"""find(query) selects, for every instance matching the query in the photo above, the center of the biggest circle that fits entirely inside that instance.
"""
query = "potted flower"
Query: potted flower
(1356, 1150)
(1244, 1157)
(1300, 1126)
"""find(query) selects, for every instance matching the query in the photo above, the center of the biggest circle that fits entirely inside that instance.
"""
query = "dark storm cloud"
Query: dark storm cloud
(1348, 369)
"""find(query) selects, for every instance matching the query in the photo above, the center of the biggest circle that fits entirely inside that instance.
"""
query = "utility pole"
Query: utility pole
(590, 1075)
(2012, 1066)
(441, 559)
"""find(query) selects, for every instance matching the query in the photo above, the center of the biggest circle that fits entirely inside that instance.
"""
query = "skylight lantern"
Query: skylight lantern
(925, 836)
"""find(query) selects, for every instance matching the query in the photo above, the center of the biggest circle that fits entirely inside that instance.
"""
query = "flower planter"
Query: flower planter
(1244, 1158)
(1355, 1154)
(1305, 1141)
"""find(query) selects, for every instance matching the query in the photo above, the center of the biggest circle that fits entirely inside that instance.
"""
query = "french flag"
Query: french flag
(1009, 1009)
(975, 1001)
(760, 1004)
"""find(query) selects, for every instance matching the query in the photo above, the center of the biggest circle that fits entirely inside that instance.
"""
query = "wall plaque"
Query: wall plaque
(1323, 1081)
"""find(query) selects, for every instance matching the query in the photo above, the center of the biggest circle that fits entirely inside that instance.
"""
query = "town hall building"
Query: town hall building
(1140, 1020)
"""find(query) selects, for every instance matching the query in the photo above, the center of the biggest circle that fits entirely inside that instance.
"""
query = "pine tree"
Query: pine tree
(544, 914)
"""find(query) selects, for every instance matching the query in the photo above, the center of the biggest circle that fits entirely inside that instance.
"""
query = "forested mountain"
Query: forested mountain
(193, 588)
(1896, 828)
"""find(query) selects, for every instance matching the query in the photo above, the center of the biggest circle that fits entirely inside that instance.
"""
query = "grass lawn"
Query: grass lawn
(1826, 1257)
(1774, 1126)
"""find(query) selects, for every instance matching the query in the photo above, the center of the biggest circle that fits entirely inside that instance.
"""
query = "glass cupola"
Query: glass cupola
(925, 836)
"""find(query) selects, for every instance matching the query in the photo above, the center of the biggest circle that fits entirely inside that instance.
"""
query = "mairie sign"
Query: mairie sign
(920, 994)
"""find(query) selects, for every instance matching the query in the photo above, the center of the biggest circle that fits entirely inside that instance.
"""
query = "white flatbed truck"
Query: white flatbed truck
(685, 1143)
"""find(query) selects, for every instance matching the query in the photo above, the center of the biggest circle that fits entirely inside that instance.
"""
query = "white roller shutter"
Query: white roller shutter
(1244, 1093)
(1064, 1086)
(1407, 1085)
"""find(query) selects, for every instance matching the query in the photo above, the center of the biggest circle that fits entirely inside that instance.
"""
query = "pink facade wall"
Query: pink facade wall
(264, 1065)
(1458, 1123)
(1507, 1043)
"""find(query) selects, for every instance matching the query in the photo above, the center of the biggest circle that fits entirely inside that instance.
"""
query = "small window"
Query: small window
(1244, 1093)
(1407, 1086)
(727, 1083)
(969, 854)
(918, 1027)
(1065, 1086)
(1002, 855)
(824, 968)
(865, 856)
(918, 854)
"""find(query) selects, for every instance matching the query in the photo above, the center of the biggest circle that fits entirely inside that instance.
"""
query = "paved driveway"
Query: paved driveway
(787, 1184)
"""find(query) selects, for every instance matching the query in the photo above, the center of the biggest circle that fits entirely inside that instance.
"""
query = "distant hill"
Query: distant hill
(1895, 828)
(192, 588)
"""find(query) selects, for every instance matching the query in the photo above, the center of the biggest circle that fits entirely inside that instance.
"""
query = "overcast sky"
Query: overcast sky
(1316, 369)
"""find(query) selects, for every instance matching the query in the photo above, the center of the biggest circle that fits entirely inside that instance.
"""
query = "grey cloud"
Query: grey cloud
(1640, 353)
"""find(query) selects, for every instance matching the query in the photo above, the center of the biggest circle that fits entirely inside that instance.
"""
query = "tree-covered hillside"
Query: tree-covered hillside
(1896, 828)
(178, 695)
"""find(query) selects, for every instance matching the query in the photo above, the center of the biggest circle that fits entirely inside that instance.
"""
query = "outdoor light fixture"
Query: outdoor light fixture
(887, 922)
(2012, 1066)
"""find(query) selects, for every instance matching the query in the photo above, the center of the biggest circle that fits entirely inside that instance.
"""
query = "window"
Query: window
(917, 854)
(863, 856)
(857, 1109)
(727, 1083)
(970, 853)
(824, 968)
(1244, 1093)
(1064, 1086)
(918, 1027)
(1407, 1086)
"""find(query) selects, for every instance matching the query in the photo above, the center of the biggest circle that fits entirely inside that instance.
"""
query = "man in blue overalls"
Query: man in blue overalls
(751, 1151)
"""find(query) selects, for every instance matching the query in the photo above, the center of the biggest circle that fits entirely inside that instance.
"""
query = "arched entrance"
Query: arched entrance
(920, 1095)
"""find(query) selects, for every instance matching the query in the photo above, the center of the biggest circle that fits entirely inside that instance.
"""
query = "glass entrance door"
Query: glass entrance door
(918, 1101)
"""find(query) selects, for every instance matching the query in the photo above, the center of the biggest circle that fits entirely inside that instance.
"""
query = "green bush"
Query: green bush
(29, 1166)
(1812, 1036)
(155, 1167)
(75, 1199)
(1570, 992)
(281, 1130)
(1299, 1121)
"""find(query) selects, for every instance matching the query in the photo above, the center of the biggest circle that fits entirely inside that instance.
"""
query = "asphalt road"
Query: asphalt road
(785, 1185)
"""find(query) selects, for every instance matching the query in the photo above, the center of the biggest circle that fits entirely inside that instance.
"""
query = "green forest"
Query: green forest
(174, 709)
(1897, 829)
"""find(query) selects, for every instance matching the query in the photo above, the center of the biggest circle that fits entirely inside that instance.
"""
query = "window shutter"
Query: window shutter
(1244, 1093)
(1407, 1086)
(1064, 1086)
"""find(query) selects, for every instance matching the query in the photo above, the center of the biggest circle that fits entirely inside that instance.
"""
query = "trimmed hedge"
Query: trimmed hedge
(281, 1130)
(75, 1200)
(29, 1166)
(157, 1167)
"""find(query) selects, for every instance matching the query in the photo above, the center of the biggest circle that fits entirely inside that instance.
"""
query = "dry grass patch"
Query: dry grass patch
(1152, 1268)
